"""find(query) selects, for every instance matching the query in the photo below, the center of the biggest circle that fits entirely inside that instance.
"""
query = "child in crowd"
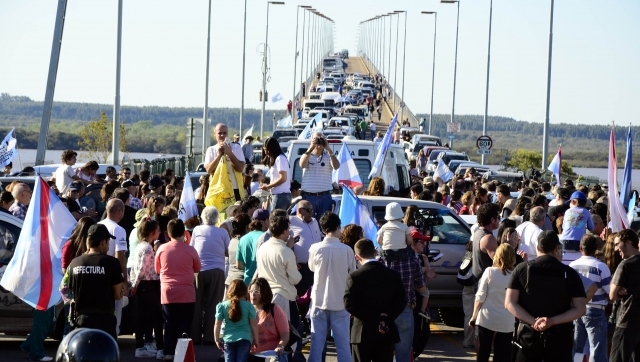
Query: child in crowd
(394, 237)
(255, 183)
(240, 326)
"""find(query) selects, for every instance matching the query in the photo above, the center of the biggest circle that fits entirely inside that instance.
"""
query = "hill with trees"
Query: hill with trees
(163, 129)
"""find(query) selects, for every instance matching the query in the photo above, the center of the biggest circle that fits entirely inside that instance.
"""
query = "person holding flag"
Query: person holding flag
(317, 166)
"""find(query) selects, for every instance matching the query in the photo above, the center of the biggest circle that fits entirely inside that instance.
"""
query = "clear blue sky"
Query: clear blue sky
(595, 77)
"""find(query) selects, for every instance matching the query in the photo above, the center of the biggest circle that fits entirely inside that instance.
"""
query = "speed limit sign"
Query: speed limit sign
(484, 144)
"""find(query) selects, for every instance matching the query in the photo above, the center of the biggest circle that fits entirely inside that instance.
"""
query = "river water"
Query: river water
(27, 157)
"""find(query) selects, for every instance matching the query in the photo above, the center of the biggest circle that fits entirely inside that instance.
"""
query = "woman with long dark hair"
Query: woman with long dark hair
(240, 326)
(146, 282)
(273, 324)
(280, 186)
(77, 243)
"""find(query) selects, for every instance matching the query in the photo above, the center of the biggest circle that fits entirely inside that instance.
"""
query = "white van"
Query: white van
(330, 98)
(395, 170)
(313, 103)
(361, 111)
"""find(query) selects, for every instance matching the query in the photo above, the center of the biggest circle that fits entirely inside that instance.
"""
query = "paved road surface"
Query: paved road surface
(356, 65)
(444, 345)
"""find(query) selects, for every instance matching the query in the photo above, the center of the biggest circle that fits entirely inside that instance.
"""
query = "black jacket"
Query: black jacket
(372, 290)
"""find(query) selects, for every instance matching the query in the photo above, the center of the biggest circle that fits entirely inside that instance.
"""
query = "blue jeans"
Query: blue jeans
(338, 321)
(404, 322)
(237, 351)
(591, 326)
(373, 135)
(321, 204)
(280, 201)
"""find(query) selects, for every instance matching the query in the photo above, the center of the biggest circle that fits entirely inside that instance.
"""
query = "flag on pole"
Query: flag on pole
(187, 207)
(382, 148)
(352, 211)
(556, 164)
(276, 98)
(618, 217)
(285, 122)
(347, 174)
(631, 209)
(8, 148)
(315, 125)
(443, 172)
(249, 132)
(35, 271)
(626, 187)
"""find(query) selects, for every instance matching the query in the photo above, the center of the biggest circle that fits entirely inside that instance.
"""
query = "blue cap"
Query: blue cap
(578, 195)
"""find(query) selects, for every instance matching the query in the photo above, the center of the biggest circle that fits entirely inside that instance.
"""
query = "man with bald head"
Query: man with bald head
(317, 166)
(232, 152)
(529, 231)
(598, 228)
(117, 246)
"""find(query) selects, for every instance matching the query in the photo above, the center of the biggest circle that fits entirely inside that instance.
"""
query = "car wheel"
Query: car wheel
(452, 317)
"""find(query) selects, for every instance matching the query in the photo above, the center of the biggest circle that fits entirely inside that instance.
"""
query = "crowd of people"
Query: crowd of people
(263, 276)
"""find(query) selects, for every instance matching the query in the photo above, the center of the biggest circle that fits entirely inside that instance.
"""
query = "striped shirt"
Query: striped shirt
(599, 273)
(316, 177)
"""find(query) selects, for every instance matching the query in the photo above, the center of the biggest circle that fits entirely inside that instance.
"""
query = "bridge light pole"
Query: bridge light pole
(486, 100)
(545, 134)
(265, 68)
(433, 68)
(455, 66)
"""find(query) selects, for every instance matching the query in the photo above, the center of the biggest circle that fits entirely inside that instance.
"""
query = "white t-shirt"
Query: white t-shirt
(529, 232)
(281, 164)
(492, 289)
(372, 126)
(64, 177)
(212, 153)
(120, 242)
(394, 235)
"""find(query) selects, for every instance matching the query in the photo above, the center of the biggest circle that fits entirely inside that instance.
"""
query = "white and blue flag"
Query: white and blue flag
(315, 125)
(382, 148)
(8, 148)
(285, 122)
(556, 165)
(352, 211)
(443, 172)
(276, 98)
(188, 207)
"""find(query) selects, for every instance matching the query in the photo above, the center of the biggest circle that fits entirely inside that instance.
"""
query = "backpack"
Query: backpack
(465, 274)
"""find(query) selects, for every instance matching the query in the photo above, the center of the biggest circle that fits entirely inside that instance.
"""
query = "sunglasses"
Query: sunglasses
(306, 209)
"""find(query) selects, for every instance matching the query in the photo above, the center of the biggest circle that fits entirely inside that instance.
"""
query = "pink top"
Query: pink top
(176, 262)
(270, 327)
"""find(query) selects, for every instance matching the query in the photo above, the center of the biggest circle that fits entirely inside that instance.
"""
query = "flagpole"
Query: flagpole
(560, 166)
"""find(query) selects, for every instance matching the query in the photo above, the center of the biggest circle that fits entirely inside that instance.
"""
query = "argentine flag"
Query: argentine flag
(315, 125)
(382, 148)
(35, 271)
(187, 207)
(352, 211)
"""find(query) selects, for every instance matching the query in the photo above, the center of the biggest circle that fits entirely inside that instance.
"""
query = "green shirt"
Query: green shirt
(363, 125)
(236, 331)
(246, 253)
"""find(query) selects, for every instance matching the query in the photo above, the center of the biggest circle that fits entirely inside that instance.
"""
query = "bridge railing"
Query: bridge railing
(156, 166)
(407, 113)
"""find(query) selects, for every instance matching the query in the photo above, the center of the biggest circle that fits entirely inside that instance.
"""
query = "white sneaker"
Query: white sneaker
(151, 347)
(144, 353)
(160, 355)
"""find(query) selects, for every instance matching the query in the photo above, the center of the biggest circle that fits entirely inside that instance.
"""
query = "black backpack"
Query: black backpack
(465, 274)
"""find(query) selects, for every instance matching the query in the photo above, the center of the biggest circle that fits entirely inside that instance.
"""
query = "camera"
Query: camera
(321, 141)
(426, 218)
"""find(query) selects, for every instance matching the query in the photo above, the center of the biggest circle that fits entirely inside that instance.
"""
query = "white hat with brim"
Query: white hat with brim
(393, 212)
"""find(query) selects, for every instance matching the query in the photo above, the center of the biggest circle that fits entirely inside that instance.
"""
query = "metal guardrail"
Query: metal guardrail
(156, 166)
(407, 114)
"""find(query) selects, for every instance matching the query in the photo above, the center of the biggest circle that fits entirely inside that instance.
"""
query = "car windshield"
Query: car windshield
(8, 239)
(282, 133)
(448, 158)
(434, 154)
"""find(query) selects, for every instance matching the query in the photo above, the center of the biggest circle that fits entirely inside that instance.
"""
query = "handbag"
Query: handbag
(465, 273)
(294, 335)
